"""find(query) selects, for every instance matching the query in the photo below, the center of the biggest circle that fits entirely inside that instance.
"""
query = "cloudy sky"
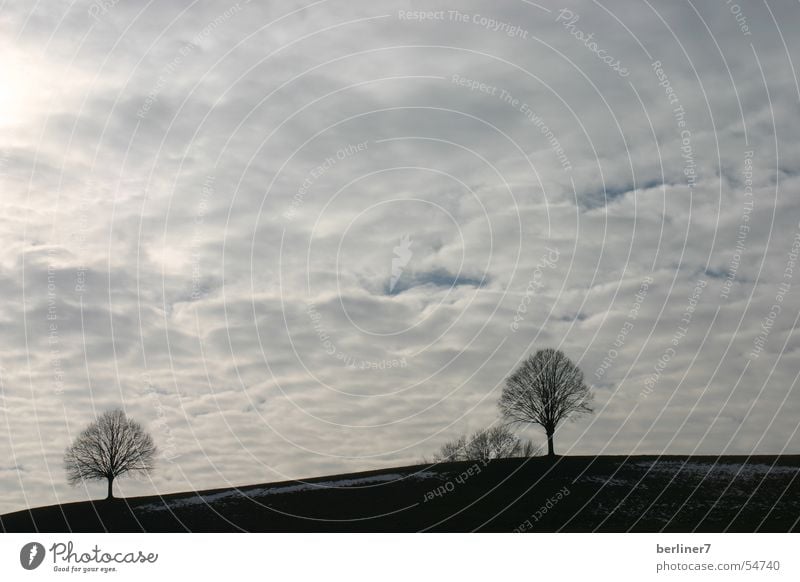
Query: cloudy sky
(302, 238)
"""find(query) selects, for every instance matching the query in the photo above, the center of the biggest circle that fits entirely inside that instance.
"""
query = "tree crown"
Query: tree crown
(545, 389)
(111, 446)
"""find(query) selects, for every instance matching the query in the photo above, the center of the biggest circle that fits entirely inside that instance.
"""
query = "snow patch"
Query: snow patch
(604, 480)
(728, 469)
(212, 498)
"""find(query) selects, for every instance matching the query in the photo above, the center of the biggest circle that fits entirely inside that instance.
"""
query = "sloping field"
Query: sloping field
(576, 494)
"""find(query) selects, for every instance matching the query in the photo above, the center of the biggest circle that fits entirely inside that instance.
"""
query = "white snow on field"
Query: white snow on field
(605, 481)
(212, 498)
(727, 469)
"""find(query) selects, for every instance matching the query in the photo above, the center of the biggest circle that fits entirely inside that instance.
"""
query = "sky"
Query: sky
(295, 239)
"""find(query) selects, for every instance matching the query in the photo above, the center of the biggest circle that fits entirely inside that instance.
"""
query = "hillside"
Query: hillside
(576, 494)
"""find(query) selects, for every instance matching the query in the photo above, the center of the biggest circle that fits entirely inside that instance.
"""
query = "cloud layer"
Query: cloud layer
(301, 239)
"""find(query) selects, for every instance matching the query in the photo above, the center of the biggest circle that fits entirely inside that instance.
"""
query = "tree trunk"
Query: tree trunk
(550, 451)
(110, 488)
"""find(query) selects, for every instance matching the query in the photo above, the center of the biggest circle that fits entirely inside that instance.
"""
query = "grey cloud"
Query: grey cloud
(194, 195)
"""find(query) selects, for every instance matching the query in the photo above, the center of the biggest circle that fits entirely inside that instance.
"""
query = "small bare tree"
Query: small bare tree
(454, 450)
(485, 444)
(545, 389)
(108, 448)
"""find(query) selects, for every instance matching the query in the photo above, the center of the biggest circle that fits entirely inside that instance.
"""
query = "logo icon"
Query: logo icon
(31, 555)
(402, 255)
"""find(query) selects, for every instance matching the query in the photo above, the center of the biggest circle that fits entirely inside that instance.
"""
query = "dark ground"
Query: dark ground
(574, 494)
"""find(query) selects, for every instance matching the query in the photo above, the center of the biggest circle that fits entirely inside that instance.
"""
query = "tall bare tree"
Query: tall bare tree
(545, 389)
(108, 448)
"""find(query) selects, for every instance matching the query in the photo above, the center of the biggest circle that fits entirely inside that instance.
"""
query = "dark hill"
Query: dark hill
(576, 494)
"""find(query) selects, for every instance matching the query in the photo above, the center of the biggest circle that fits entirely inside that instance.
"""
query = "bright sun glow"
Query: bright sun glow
(16, 89)
(10, 101)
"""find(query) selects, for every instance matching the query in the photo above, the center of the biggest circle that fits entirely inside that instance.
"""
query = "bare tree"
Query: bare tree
(452, 451)
(108, 448)
(545, 389)
(485, 444)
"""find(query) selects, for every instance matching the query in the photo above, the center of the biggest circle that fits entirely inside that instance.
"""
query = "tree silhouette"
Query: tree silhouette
(108, 448)
(545, 389)
(484, 445)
